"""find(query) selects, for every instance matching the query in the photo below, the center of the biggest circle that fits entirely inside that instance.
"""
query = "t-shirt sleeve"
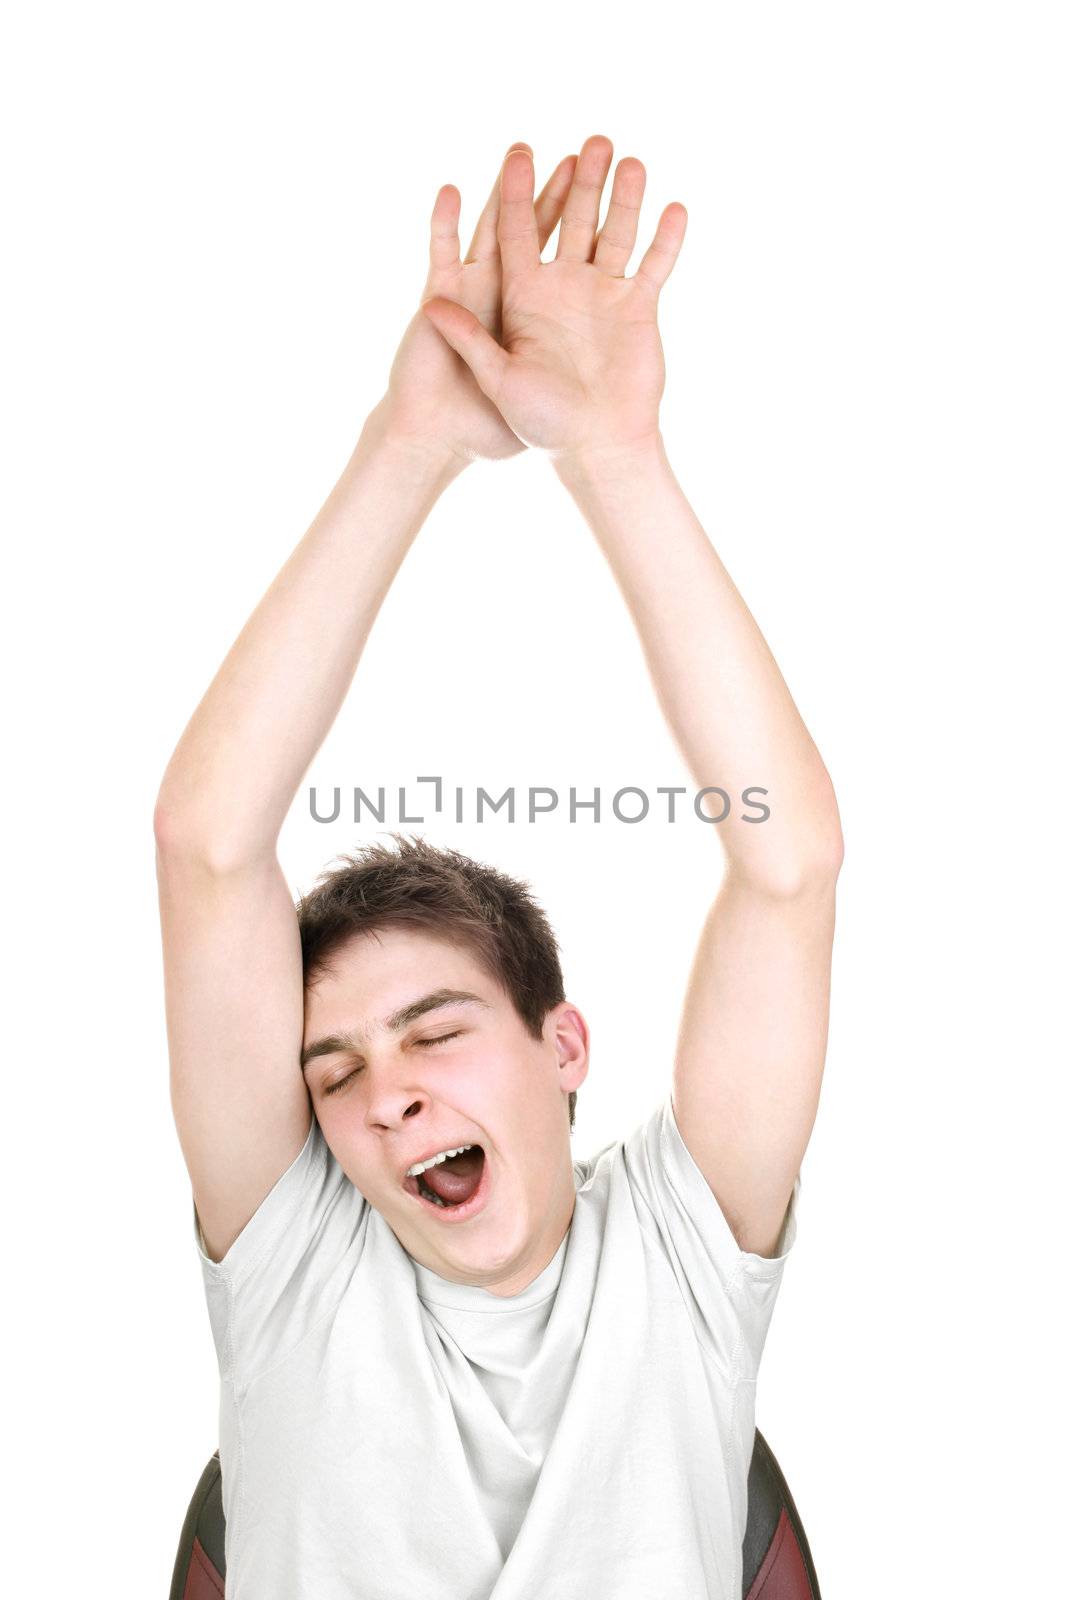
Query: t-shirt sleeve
(730, 1292)
(287, 1266)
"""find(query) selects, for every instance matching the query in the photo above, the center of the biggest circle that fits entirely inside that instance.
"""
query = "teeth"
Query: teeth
(434, 1161)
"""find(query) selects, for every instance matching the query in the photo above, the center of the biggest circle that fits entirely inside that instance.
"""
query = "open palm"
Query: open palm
(577, 362)
(432, 395)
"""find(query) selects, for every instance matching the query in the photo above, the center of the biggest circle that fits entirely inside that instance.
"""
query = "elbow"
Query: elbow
(174, 830)
(183, 842)
(829, 857)
(820, 852)
(806, 869)
(818, 866)
(162, 825)
(812, 878)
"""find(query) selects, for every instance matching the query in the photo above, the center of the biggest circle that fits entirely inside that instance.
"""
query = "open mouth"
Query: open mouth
(453, 1211)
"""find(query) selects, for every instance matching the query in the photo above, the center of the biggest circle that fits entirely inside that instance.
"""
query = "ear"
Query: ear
(571, 1043)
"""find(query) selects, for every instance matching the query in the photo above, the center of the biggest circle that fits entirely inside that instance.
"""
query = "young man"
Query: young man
(505, 1372)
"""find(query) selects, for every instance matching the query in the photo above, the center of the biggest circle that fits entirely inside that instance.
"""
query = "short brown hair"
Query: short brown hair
(441, 892)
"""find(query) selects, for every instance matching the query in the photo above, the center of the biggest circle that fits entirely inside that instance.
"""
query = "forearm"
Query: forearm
(717, 683)
(237, 766)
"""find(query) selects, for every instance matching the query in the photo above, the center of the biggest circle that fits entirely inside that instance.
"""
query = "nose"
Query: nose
(389, 1108)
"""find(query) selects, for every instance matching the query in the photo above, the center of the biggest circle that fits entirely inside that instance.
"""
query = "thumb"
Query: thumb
(466, 334)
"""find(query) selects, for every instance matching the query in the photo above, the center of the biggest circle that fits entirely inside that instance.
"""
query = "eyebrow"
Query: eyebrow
(333, 1043)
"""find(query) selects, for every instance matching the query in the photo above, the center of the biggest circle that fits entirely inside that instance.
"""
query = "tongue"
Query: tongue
(457, 1178)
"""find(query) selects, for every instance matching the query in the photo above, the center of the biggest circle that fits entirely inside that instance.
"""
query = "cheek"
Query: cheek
(358, 1163)
(485, 1073)
(515, 1094)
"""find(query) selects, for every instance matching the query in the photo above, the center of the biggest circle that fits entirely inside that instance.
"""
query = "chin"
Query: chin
(484, 1251)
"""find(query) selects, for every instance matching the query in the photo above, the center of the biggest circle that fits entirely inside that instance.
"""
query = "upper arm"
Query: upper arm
(752, 1045)
(235, 1019)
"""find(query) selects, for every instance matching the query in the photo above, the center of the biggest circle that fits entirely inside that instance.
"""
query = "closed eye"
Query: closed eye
(441, 1038)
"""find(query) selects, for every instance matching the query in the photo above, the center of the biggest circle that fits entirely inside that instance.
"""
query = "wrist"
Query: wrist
(593, 466)
(429, 461)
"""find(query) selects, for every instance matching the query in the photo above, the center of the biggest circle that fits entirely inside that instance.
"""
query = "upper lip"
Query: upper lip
(434, 1150)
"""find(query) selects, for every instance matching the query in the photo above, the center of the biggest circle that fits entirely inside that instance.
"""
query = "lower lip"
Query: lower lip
(467, 1208)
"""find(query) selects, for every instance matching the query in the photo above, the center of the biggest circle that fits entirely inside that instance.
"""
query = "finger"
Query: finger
(548, 208)
(466, 334)
(576, 238)
(552, 197)
(617, 236)
(485, 235)
(445, 247)
(664, 248)
(518, 240)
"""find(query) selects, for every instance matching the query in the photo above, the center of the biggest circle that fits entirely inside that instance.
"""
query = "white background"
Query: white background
(217, 226)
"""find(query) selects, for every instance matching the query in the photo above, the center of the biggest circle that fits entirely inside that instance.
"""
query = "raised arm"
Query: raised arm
(752, 1043)
(237, 767)
(232, 959)
(580, 372)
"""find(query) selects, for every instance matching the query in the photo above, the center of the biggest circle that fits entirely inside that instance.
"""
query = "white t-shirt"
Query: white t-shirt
(386, 1433)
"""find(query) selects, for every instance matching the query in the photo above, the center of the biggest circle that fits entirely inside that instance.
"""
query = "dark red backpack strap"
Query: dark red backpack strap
(777, 1557)
(200, 1566)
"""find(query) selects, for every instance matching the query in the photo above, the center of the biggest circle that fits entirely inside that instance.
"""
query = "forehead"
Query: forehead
(373, 975)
